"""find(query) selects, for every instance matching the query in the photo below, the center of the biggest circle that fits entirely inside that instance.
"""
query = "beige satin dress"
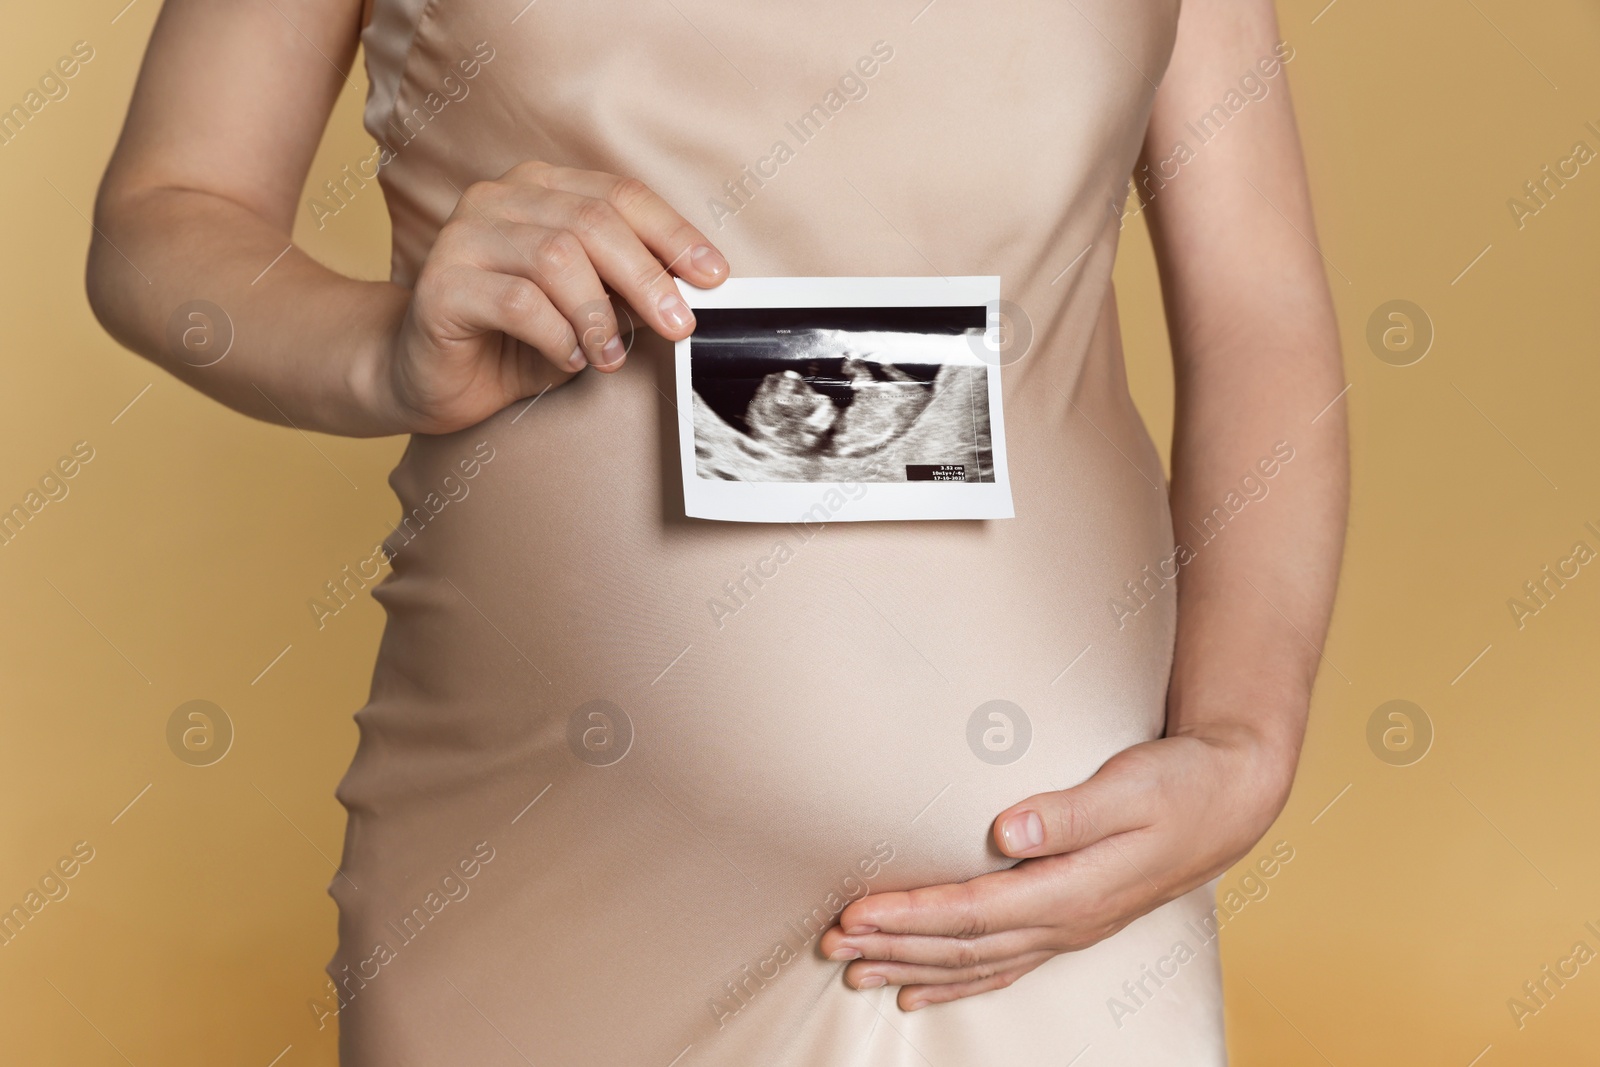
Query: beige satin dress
(620, 768)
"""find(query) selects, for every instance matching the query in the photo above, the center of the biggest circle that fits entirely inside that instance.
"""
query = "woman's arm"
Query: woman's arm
(1256, 352)
(199, 203)
(1256, 356)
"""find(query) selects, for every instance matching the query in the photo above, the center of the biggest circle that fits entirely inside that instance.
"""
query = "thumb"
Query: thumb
(1116, 799)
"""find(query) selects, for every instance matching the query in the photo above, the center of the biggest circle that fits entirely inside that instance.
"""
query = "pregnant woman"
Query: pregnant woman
(638, 789)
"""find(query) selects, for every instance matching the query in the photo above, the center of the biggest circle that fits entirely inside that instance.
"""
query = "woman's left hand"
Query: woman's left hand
(1157, 820)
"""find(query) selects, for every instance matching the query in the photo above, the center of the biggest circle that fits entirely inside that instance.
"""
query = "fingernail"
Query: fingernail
(846, 953)
(871, 981)
(613, 351)
(1023, 831)
(915, 1004)
(577, 361)
(855, 931)
(675, 311)
(708, 260)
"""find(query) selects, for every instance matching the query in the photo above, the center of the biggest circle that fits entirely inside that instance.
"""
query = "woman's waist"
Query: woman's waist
(600, 455)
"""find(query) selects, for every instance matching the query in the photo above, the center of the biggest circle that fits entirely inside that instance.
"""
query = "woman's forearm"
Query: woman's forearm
(1259, 496)
(304, 345)
(1259, 464)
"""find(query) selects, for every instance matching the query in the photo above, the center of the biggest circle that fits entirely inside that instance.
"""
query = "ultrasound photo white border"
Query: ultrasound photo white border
(818, 502)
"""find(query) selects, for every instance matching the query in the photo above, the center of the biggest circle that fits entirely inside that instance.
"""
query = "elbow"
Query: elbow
(110, 280)
(97, 285)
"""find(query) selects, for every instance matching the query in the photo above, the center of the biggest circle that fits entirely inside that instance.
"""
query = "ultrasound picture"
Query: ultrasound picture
(840, 395)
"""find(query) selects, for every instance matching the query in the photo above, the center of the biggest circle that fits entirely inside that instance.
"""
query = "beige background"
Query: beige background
(180, 564)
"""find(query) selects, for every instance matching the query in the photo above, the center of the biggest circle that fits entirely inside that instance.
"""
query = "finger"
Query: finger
(621, 259)
(1081, 897)
(1120, 797)
(629, 230)
(913, 997)
(473, 301)
(929, 951)
(867, 975)
(990, 903)
(556, 261)
(670, 237)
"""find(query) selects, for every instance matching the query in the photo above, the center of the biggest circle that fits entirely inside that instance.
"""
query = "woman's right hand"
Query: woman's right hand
(511, 298)
(203, 193)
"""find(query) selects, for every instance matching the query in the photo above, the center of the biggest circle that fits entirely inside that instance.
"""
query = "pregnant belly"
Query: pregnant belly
(688, 744)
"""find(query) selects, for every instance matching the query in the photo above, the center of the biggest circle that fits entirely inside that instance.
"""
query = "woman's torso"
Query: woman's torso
(784, 706)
